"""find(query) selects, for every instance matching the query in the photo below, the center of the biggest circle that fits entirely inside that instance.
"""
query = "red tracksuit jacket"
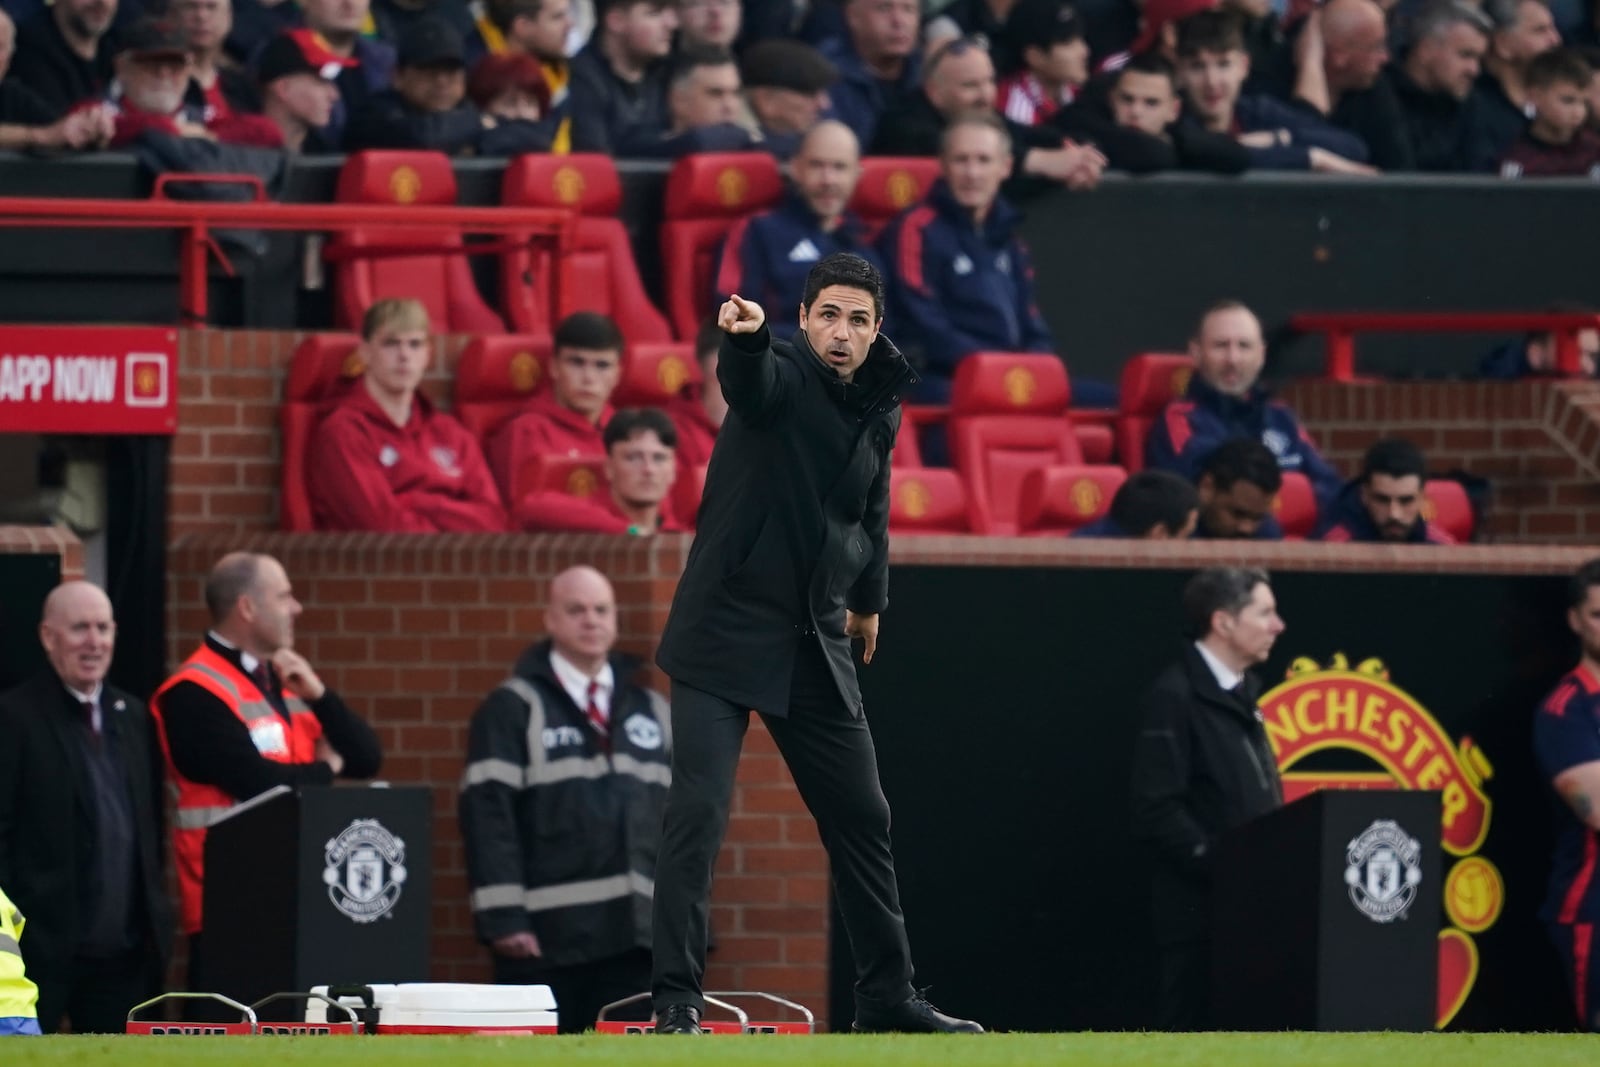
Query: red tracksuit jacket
(589, 514)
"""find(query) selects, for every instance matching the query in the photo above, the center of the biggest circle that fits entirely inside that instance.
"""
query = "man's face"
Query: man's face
(709, 21)
(1212, 81)
(544, 35)
(841, 325)
(1394, 503)
(1534, 31)
(709, 96)
(883, 29)
(582, 616)
(963, 81)
(1354, 63)
(205, 24)
(641, 470)
(1585, 622)
(270, 609)
(87, 18)
(434, 89)
(826, 170)
(308, 98)
(974, 163)
(336, 18)
(1063, 63)
(1450, 62)
(396, 357)
(1145, 102)
(786, 110)
(1237, 511)
(584, 378)
(1251, 634)
(153, 83)
(644, 29)
(1229, 352)
(79, 636)
(1560, 110)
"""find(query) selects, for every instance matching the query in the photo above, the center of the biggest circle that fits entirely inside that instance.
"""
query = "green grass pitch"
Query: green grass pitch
(1067, 1050)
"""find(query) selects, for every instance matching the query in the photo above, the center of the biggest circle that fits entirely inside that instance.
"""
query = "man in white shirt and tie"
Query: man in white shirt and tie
(568, 763)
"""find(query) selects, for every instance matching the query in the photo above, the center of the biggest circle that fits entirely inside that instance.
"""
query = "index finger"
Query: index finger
(744, 305)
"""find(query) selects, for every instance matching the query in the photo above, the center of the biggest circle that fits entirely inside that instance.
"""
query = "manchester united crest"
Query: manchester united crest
(366, 870)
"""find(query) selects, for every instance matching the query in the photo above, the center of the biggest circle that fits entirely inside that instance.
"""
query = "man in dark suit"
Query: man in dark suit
(792, 561)
(80, 824)
(1202, 767)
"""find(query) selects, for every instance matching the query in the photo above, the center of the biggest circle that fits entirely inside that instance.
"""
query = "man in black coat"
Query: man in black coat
(1202, 767)
(791, 562)
(80, 824)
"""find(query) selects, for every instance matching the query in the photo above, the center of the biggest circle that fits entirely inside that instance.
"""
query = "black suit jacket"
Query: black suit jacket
(48, 825)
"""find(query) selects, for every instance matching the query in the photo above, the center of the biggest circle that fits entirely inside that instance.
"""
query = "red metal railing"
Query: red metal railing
(195, 221)
(1340, 329)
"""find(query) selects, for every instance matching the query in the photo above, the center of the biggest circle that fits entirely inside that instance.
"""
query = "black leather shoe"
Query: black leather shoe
(912, 1016)
(680, 1019)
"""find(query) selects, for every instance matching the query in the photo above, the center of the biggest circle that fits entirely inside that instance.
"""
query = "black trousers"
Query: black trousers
(97, 993)
(1185, 1000)
(582, 989)
(831, 756)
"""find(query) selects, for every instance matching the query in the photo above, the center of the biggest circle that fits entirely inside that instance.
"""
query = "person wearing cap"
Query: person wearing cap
(619, 80)
(64, 53)
(299, 88)
(786, 84)
(539, 29)
(1048, 36)
(428, 106)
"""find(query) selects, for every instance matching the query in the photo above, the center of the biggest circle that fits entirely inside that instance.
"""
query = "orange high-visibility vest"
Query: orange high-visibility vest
(200, 805)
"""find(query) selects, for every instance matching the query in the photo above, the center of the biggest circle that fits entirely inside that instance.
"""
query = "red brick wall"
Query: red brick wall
(45, 541)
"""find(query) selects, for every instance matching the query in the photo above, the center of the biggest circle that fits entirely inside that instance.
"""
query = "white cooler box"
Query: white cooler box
(451, 1008)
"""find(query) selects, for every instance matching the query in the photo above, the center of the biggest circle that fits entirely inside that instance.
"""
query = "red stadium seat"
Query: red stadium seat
(496, 376)
(707, 194)
(686, 494)
(1007, 417)
(654, 374)
(580, 476)
(322, 367)
(1058, 500)
(1296, 506)
(442, 279)
(907, 449)
(1150, 381)
(927, 501)
(1445, 504)
(889, 185)
(598, 273)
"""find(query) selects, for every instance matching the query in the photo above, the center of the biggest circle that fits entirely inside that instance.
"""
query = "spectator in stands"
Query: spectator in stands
(1047, 38)
(768, 255)
(641, 467)
(387, 460)
(561, 843)
(299, 88)
(880, 65)
(961, 278)
(1158, 31)
(1534, 355)
(1500, 103)
(510, 91)
(570, 419)
(27, 122)
(1239, 479)
(1434, 82)
(537, 28)
(704, 105)
(1212, 68)
(786, 84)
(963, 18)
(708, 23)
(619, 80)
(1150, 506)
(1557, 143)
(699, 411)
(1355, 47)
(428, 106)
(1225, 400)
(1385, 503)
(216, 84)
(341, 23)
(64, 53)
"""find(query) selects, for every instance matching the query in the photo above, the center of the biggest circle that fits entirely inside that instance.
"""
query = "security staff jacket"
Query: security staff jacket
(18, 995)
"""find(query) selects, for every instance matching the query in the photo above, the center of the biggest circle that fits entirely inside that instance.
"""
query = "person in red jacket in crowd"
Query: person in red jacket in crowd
(698, 411)
(387, 460)
(569, 420)
(640, 468)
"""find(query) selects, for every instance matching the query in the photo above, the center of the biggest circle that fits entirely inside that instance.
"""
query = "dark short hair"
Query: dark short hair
(1150, 497)
(1244, 459)
(602, 8)
(707, 341)
(1217, 589)
(692, 58)
(1558, 66)
(1585, 578)
(234, 576)
(1394, 457)
(1151, 62)
(588, 330)
(1210, 31)
(1227, 304)
(630, 421)
(849, 269)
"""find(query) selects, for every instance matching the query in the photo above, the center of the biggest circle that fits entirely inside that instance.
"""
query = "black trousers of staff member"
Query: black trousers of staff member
(830, 754)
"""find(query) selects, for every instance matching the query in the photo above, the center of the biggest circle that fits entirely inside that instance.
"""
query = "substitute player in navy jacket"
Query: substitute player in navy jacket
(1225, 401)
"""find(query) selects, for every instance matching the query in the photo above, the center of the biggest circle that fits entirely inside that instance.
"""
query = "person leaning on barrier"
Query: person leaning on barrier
(568, 763)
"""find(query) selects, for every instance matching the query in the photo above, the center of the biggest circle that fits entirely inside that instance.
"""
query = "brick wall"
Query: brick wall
(45, 541)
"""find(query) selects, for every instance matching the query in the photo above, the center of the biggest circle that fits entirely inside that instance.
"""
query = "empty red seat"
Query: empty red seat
(495, 377)
(1058, 500)
(907, 449)
(1150, 381)
(1296, 506)
(322, 367)
(1445, 504)
(653, 375)
(706, 194)
(598, 273)
(889, 185)
(1007, 417)
(927, 501)
(435, 275)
